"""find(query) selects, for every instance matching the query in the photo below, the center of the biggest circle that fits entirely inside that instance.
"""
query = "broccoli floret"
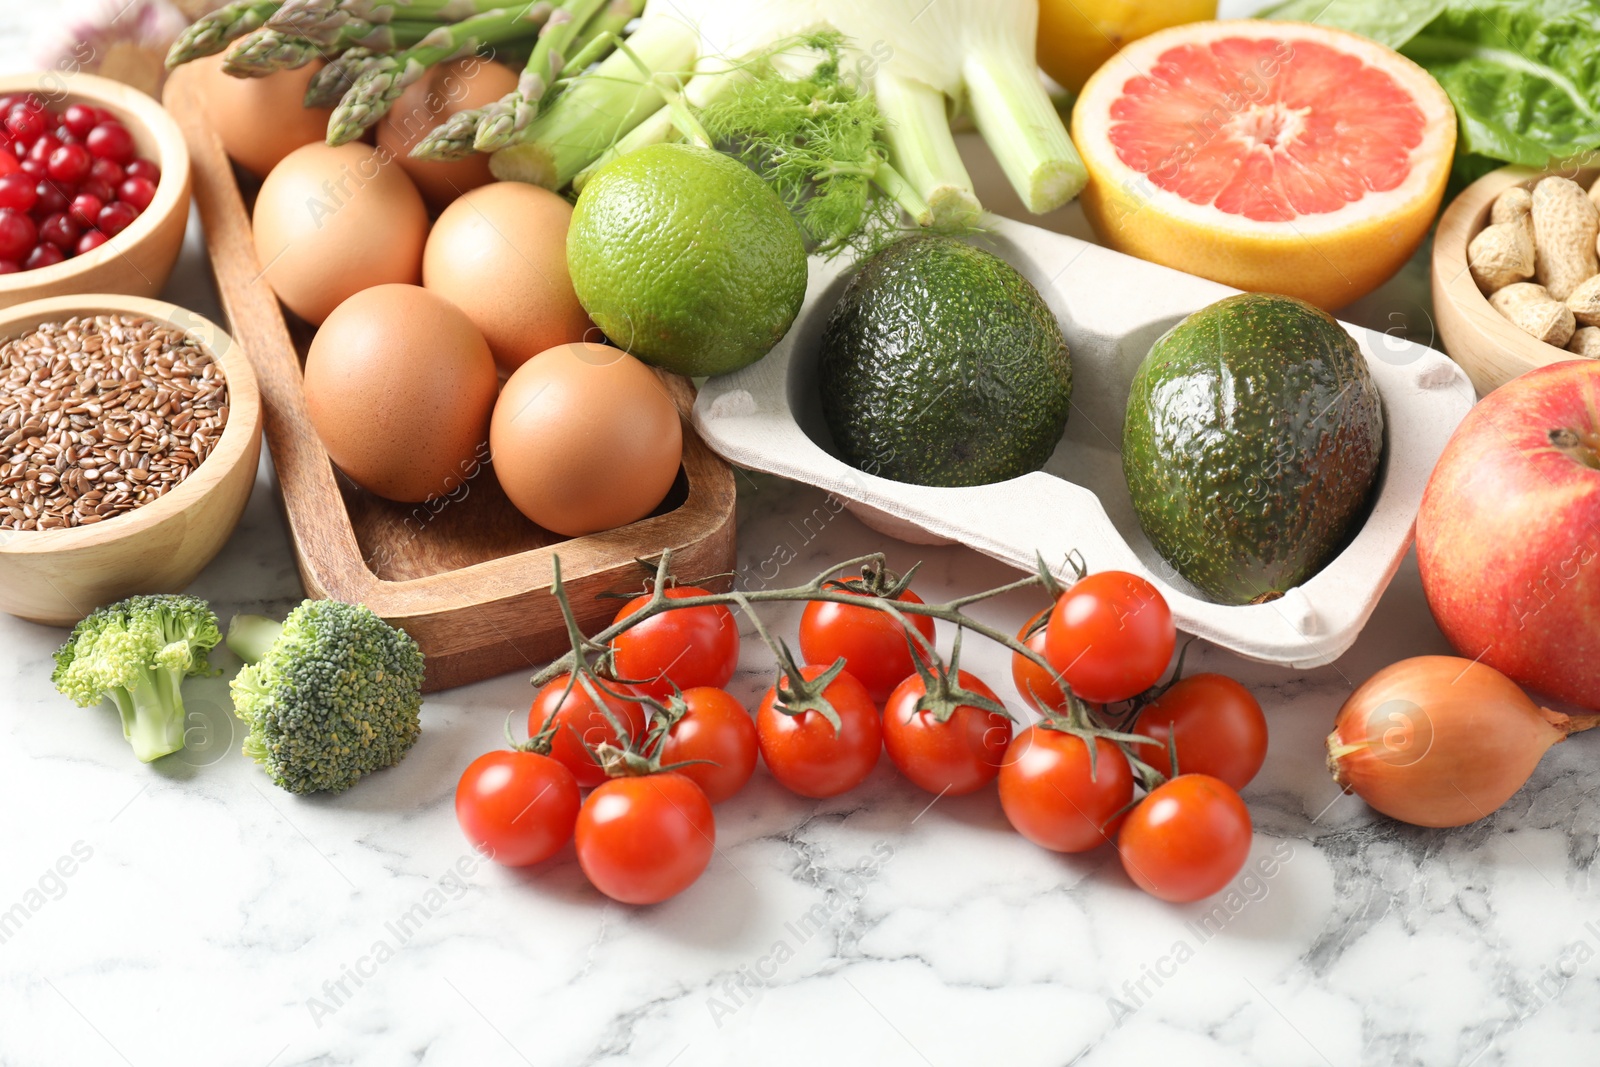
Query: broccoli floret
(136, 653)
(329, 695)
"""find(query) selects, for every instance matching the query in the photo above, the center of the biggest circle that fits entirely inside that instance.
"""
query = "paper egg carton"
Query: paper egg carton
(1112, 308)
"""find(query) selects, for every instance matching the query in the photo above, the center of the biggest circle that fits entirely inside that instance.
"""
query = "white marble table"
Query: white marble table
(189, 913)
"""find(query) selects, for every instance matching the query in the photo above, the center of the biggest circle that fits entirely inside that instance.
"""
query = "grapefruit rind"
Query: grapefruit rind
(1329, 258)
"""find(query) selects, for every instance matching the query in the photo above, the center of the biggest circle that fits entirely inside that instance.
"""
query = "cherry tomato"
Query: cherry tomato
(1110, 636)
(642, 840)
(715, 728)
(582, 725)
(1218, 728)
(18, 234)
(806, 754)
(517, 808)
(1187, 839)
(1035, 685)
(111, 140)
(872, 644)
(958, 756)
(1053, 798)
(688, 647)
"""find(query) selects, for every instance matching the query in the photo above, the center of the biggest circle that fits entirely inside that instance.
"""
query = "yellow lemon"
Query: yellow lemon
(1077, 36)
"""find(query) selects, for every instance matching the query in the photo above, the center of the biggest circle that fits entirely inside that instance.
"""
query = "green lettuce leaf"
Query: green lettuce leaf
(1524, 75)
(1393, 22)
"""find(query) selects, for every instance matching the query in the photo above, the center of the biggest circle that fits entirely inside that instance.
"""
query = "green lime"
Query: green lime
(686, 259)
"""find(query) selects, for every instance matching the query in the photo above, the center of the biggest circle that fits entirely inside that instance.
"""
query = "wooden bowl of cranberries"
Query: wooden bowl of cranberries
(94, 188)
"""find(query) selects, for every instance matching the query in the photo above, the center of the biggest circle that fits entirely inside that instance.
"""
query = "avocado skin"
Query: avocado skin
(942, 365)
(1252, 442)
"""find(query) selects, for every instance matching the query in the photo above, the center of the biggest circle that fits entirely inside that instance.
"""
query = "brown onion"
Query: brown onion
(1441, 741)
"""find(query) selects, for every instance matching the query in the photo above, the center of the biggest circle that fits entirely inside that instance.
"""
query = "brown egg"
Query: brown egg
(500, 254)
(330, 222)
(401, 387)
(445, 90)
(585, 438)
(261, 120)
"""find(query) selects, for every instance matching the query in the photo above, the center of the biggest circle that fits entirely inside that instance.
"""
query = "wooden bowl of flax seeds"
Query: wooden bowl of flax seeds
(130, 431)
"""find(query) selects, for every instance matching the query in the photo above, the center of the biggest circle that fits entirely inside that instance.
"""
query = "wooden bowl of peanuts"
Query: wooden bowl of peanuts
(1516, 275)
(130, 432)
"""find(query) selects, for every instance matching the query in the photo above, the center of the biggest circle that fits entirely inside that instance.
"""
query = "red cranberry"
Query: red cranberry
(91, 240)
(18, 234)
(111, 140)
(25, 125)
(61, 230)
(51, 199)
(45, 255)
(80, 120)
(17, 192)
(8, 164)
(143, 168)
(43, 146)
(99, 190)
(103, 170)
(86, 209)
(9, 266)
(70, 164)
(114, 218)
(34, 169)
(137, 191)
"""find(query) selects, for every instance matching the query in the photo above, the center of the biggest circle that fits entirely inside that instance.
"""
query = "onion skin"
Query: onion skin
(1441, 741)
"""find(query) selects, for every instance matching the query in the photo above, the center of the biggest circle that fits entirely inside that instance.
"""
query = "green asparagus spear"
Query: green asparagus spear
(329, 84)
(270, 49)
(384, 78)
(211, 33)
(575, 30)
(324, 21)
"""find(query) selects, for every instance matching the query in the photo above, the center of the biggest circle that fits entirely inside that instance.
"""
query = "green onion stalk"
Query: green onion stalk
(211, 33)
(383, 78)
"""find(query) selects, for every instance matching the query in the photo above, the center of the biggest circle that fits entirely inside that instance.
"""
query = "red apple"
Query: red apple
(1508, 539)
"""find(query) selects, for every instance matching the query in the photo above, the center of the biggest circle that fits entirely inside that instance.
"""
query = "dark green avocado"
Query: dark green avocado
(1251, 445)
(941, 365)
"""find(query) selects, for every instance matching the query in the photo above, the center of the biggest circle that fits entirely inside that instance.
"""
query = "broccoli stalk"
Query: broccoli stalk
(136, 653)
(330, 694)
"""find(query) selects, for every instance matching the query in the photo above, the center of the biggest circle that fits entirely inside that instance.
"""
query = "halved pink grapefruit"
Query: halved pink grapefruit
(1272, 156)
